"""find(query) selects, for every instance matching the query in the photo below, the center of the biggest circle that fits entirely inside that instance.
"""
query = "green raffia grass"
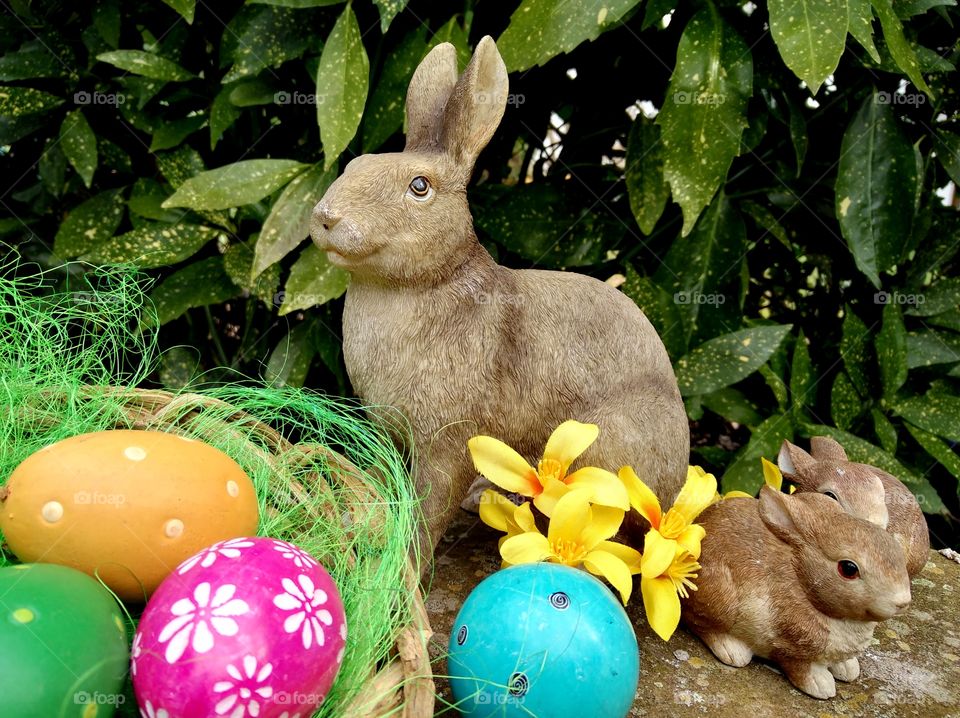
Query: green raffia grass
(60, 354)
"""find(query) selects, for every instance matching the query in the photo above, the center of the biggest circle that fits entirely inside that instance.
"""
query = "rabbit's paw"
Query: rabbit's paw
(814, 679)
(728, 649)
(848, 670)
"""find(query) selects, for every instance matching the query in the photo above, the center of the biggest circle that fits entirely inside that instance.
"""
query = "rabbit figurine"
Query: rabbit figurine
(433, 326)
(863, 491)
(797, 580)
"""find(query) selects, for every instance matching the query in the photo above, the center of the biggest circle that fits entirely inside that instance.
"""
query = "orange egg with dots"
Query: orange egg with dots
(126, 506)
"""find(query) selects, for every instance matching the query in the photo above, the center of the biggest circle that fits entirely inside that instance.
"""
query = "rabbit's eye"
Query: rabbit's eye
(420, 186)
(831, 495)
(848, 569)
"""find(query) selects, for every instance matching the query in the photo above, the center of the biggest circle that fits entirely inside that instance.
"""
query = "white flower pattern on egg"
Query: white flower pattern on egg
(309, 618)
(245, 691)
(206, 558)
(135, 650)
(300, 558)
(148, 711)
(194, 620)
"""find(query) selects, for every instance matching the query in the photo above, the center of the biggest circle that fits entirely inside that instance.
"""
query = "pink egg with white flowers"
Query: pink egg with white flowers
(247, 627)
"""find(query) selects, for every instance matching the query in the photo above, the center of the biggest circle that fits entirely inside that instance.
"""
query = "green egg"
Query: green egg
(63, 645)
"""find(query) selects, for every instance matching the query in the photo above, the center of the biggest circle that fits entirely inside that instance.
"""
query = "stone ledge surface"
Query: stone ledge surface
(911, 671)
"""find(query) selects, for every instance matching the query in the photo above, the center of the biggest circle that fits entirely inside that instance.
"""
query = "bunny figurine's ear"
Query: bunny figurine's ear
(825, 448)
(776, 513)
(476, 105)
(794, 462)
(427, 95)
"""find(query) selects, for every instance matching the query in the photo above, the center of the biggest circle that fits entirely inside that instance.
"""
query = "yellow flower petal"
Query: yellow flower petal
(661, 604)
(496, 510)
(526, 548)
(737, 495)
(568, 441)
(690, 538)
(658, 554)
(607, 488)
(601, 563)
(771, 474)
(641, 497)
(523, 517)
(627, 554)
(604, 524)
(697, 493)
(503, 466)
(571, 516)
(553, 491)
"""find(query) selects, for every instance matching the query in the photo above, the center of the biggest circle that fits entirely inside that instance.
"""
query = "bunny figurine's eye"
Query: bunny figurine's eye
(420, 187)
(848, 569)
(831, 495)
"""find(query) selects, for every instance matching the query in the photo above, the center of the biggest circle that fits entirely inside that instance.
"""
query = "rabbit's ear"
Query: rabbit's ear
(825, 448)
(476, 105)
(794, 462)
(776, 512)
(427, 95)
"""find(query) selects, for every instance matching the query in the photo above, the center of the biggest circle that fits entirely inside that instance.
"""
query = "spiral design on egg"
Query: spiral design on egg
(560, 601)
(462, 635)
(518, 685)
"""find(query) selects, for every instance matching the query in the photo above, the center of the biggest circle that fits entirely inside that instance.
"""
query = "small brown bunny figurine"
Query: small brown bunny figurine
(463, 346)
(797, 580)
(863, 491)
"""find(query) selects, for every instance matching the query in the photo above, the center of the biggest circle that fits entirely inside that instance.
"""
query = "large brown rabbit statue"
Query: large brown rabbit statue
(463, 346)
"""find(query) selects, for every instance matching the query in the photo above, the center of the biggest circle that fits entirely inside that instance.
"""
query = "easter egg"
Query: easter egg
(543, 640)
(128, 506)
(63, 645)
(247, 627)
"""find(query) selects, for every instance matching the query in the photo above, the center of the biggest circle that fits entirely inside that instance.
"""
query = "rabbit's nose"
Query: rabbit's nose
(327, 219)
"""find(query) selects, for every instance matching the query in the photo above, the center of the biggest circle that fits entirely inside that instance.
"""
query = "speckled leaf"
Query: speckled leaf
(154, 245)
(290, 360)
(299, 4)
(198, 285)
(31, 61)
(845, 403)
(934, 412)
(802, 385)
(178, 367)
(930, 347)
(389, 9)
(940, 297)
(238, 259)
(312, 281)
(766, 222)
(745, 473)
(947, 145)
(235, 185)
(659, 307)
(898, 45)
(908, 8)
(542, 29)
(170, 134)
(810, 35)
(265, 36)
(877, 170)
(89, 224)
(223, 113)
(146, 200)
(79, 145)
(255, 91)
(186, 8)
(654, 10)
(727, 359)
(384, 114)
(704, 112)
(647, 189)
(861, 26)
(855, 351)
(866, 453)
(453, 32)
(341, 86)
(948, 320)
(146, 64)
(106, 18)
(885, 431)
(288, 223)
(892, 350)
(733, 405)
(19, 101)
(52, 166)
(181, 164)
(938, 449)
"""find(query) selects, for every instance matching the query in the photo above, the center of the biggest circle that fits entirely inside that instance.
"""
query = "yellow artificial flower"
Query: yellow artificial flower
(499, 512)
(550, 481)
(666, 573)
(771, 477)
(698, 492)
(578, 534)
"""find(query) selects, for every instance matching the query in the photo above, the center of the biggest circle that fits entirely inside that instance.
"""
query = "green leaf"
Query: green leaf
(384, 114)
(341, 86)
(802, 384)
(938, 449)
(186, 8)
(845, 403)
(113, 160)
(290, 360)
(146, 200)
(542, 29)
(389, 9)
(153, 245)
(877, 170)
(171, 134)
(733, 405)
(20, 101)
(798, 133)
(180, 165)
(940, 297)
(452, 31)
(659, 307)
(79, 145)
(930, 347)
(89, 223)
(855, 351)
(766, 221)
(52, 166)
(861, 26)
(223, 113)
(298, 4)
(198, 285)
(892, 351)
(886, 432)
(811, 36)
(909, 8)
(235, 185)
(646, 187)
(146, 64)
(901, 50)
(727, 359)
(745, 473)
(313, 280)
(948, 320)
(258, 91)
(33, 60)
(106, 18)
(654, 12)
(264, 36)
(238, 259)
(288, 223)
(178, 367)
(864, 452)
(947, 145)
(777, 385)
(704, 113)
(934, 412)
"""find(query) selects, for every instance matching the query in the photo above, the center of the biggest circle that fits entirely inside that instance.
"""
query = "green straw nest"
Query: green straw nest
(327, 479)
